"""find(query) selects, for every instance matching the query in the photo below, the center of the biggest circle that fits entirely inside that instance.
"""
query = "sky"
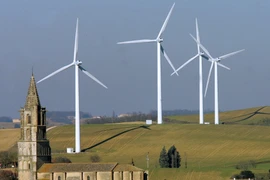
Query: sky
(40, 35)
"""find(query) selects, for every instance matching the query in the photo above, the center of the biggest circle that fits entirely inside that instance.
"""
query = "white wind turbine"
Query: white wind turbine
(158, 40)
(78, 65)
(215, 62)
(200, 54)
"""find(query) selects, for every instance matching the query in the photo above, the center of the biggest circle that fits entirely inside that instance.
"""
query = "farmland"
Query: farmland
(209, 151)
(249, 116)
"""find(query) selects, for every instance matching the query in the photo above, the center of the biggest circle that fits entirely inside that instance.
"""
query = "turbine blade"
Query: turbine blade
(197, 31)
(230, 54)
(203, 48)
(167, 58)
(165, 22)
(76, 41)
(205, 57)
(208, 79)
(92, 77)
(191, 59)
(57, 71)
(221, 65)
(137, 41)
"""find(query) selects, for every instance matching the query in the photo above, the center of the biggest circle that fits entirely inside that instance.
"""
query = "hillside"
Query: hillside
(248, 116)
(210, 151)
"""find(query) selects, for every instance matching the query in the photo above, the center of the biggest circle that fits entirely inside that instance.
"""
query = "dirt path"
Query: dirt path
(50, 128)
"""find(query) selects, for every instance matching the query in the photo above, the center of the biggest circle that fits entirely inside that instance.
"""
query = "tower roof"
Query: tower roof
(32, 98)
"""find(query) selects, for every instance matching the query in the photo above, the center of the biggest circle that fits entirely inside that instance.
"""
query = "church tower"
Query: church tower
(33, 147)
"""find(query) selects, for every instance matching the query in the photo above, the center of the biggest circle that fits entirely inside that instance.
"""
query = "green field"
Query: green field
(210, 151)
(244, 116)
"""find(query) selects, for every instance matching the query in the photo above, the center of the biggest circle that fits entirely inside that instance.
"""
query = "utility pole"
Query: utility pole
(185, 160)
(147, 160)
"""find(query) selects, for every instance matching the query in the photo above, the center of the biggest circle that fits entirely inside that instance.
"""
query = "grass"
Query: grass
(211, 151)
(9, 138)
(244, 116)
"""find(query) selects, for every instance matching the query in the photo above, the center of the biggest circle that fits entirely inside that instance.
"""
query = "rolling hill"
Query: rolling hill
(250, 116)
(209, 151)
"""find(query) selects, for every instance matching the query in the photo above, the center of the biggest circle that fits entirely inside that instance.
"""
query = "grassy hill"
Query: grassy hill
(8, 137)
(244, 116)
(210, 151)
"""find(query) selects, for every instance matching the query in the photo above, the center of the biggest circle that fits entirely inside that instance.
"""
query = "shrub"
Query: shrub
(247, 174)
(61, 160)
(7, 175)
(95, 158)
(245, 165)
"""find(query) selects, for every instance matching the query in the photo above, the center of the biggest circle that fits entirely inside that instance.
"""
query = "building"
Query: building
(34, 152)
(90, 171)
(33, 147)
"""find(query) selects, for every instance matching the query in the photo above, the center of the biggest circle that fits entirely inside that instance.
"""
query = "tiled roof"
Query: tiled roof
(32, 98)
(126, 167)
(76, 167)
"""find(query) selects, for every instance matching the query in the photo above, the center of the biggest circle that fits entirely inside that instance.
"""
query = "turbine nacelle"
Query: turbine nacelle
(201, 53)
(159, 40)
(78, 62)
(216, 59)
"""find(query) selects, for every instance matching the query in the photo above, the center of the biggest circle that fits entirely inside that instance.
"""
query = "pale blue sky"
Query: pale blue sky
(41, 34)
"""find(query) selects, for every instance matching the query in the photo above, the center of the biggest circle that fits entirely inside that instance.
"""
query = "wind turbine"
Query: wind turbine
(158, 40)
(200, 54)
(215, 62)
(78, 65)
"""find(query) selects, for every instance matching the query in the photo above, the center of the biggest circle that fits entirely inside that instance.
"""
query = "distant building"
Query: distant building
(16, 120)
(96, 117)
(34, 152)
(124, 115)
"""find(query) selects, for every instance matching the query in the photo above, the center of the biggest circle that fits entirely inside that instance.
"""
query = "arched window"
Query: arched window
(28, 119)
(88, 177)
(28, 133)
(59, 177)
(29, 166)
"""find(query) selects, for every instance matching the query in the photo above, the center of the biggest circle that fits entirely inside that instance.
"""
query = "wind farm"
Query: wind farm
(183, 117)
(215, 62)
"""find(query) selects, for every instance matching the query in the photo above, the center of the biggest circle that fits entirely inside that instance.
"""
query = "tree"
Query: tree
(61, 160)
(247, 174)
(7, 175)
(174, 158)
(163, 158)
(5, 159)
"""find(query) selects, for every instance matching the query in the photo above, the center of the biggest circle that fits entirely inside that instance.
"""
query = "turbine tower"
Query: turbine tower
(215, 62)
(78, 65)
(200, 54)
(158, 40)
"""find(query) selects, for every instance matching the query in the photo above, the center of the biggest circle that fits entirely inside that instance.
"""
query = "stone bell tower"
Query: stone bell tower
(33, 147)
